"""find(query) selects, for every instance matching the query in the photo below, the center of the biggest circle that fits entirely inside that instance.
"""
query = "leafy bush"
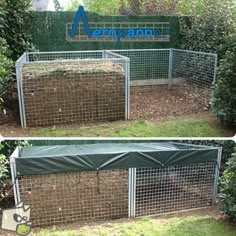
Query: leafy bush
(211, 22)
(148, 7)
(6, 65)
(228, 188)
(14, 17)
(6, 149)
(4, 172)
(14, 40)
(224, 100)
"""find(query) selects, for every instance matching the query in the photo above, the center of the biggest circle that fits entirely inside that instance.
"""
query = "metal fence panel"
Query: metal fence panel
(193, 73)
(148, 67)
(174, 188)
(85, 86)
(69, 87)
(109, 194)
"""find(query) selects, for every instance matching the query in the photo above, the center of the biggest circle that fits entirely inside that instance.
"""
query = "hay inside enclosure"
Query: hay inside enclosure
(64, 93)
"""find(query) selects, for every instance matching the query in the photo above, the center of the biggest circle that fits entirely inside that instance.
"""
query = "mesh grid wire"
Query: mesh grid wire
(147, 67)
(193, 73)
(59, 88)
(81, 196)
(161, 190)
(64, 55)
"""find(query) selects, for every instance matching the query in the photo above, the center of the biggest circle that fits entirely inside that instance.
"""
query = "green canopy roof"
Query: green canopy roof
(72, 158)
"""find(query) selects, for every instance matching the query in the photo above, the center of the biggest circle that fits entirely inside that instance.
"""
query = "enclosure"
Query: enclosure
(69, 87)
(86, 86)
(70, 183)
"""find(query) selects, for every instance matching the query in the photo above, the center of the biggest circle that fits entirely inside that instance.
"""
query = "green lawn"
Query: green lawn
(184, 226)
(178, 128)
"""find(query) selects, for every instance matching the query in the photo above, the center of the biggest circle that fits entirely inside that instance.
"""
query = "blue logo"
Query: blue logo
(116, 31)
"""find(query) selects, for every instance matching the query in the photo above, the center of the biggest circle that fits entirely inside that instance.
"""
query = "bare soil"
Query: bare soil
(160, 103)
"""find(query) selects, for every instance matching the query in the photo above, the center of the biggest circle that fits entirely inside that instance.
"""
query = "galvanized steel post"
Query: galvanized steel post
(217, 172)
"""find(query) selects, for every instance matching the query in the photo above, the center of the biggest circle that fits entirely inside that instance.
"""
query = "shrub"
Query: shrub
(211, 22)
(6, 149)
(6, 65)
(224, 94)
(14, 17)
(4, 173)
(228, 188)
(14, 40)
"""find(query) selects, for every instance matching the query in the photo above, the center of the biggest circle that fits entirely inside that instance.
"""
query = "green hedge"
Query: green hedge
(224, 96)
(228, 188)
(48, 30)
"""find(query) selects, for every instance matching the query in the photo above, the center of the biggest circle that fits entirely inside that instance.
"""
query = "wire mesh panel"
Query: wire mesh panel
(148, 67)
(193, 73)
(45, 56)
(161, 190)
(69, 197)
(69, 87)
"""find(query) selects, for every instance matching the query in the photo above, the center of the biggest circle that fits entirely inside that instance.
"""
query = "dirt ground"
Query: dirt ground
(156, 105)
(161, 103)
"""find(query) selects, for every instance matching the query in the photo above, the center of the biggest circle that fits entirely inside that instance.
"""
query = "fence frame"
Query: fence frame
(14, 177)
(217, 173)
(115, 57)
(131, 183)
(132, 188)
(24, 60)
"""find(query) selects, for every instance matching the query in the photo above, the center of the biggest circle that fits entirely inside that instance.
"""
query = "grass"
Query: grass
(178, 128)
(184, 226)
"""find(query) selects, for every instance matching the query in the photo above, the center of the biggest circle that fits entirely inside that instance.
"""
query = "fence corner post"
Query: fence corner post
(127, 81)
(170, 69)
(217, 173)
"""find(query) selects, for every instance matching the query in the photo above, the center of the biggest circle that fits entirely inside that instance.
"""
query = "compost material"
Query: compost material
(72, 197)
(65, 93)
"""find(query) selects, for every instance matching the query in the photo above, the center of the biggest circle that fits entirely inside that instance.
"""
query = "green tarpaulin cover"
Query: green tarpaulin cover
(72, 158)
